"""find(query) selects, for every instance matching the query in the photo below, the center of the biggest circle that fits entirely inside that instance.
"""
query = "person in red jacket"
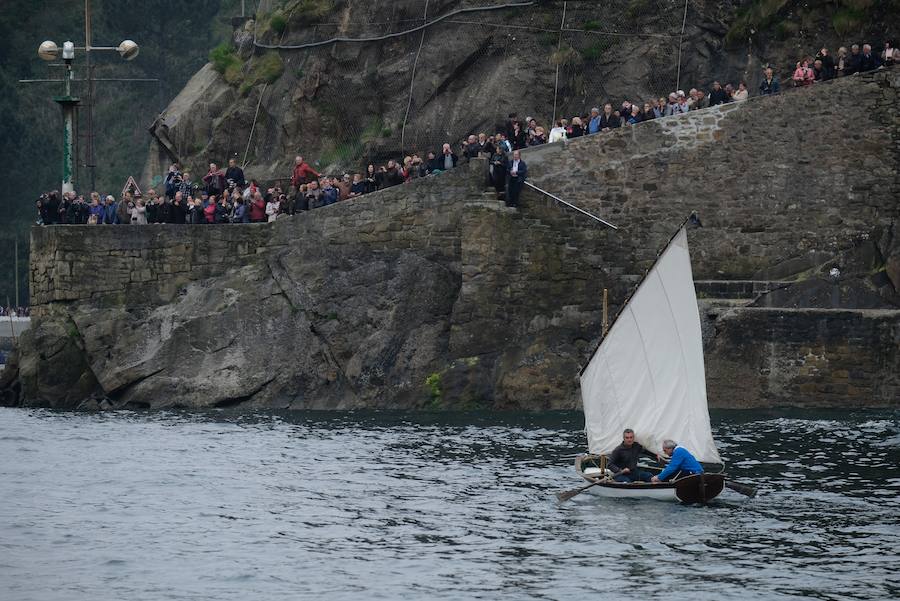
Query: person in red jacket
(302, 173)
(257, 208)
(209, 211)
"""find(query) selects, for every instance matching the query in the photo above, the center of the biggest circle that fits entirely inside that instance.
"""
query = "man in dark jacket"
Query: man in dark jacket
(608, 120)
(517, 172)
(769, 84)
(235, 174)
(623, 461)
(717, 95)
(867, 60)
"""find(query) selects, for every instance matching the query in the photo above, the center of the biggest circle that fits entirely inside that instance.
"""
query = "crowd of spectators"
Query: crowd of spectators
(14, 311)
(227, 196)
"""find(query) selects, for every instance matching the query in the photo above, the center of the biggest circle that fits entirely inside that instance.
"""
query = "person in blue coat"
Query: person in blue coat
(682, 461)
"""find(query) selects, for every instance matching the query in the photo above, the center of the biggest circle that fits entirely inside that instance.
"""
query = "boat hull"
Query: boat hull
(697, 488)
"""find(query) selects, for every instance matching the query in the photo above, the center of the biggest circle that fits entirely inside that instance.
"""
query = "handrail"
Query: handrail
(571, 206)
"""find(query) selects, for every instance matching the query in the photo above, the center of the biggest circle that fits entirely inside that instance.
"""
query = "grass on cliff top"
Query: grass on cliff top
(785, 17)
(226, 62)
(264, 69)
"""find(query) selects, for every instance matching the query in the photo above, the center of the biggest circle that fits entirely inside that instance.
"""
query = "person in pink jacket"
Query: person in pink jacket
(803, 75)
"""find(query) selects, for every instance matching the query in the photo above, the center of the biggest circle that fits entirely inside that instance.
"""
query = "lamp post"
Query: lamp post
(49, 51)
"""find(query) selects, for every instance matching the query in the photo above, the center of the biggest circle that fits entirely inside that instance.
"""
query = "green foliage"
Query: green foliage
(636, 8)
(756, 16)
(565, 56)
(433, 386)
(595, 50)
(265, 69)
(278, 22)
(225, 61)
(548, 38)
(307, 11)
(342, 154)
(593, 26)
(847, 20)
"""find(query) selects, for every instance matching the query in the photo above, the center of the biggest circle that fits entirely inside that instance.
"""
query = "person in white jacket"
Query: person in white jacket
(272, 208)
(558, 133)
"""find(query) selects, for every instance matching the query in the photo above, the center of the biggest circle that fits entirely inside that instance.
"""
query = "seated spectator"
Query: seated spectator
(313, 195)
(803, 74)
(221, 210)
(503, 144)
(625, 110)
(330, 194)
(851, 64)
(741, 94)
(608, 121)
(890, 55)
(818, 70)
(558, 133)
(209, 209)
(109, 211)
(447, 160)
(214, 180)
(648, 112)
(701, 101)
(179, 209)
(272, 207)
(485, 146)
(717, 95)
(867, 60)
(729, 92)
(344, 184)
(841, 63)
(539, 137)
(358, 187)
(257, 208)
(659, 108)
(287, 204)
(394, 177)
(827, 65)
(635, 117)
(413, 171)
(532, 129)
(769, 84)
(369, 179)
(139, 213)
(241, 214)
(576, 129)
(594, 123)
(96, 210)
(672, 105)
(683, 106)
(692, 98)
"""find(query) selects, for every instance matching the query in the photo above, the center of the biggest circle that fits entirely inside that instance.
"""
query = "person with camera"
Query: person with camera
(214, 180)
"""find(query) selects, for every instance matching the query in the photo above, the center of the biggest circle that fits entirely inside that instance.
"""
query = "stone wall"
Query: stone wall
(435, 295)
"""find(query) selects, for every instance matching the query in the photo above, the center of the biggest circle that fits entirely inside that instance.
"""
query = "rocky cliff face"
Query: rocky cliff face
(345, 104)
(434, 295)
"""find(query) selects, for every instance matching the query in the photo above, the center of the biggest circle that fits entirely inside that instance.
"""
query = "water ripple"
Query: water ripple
(381, 506)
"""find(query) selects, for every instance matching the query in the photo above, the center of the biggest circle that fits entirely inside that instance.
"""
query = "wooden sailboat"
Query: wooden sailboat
(648, 375)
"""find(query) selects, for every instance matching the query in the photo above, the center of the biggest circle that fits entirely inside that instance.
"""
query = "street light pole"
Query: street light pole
(68, 104)
(49, 51)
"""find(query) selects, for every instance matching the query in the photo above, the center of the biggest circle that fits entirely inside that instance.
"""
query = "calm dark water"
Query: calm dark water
(386, 506)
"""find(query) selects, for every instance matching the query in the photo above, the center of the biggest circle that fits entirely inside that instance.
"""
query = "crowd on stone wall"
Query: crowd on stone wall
(228, 196)
(14, 311)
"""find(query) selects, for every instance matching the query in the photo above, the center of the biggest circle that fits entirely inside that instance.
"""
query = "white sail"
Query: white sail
(648, 373)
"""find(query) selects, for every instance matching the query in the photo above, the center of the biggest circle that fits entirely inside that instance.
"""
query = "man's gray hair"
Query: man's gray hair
(627, 431)
(669, 444)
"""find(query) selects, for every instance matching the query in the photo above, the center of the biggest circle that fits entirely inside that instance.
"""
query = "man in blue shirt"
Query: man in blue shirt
(682, 461)
(594, 123)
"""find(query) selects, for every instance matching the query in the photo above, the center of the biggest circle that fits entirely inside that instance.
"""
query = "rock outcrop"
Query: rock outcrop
(435, 295)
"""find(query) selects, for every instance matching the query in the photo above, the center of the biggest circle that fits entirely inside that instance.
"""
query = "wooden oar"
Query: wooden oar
(568, 494)
(741, 488)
